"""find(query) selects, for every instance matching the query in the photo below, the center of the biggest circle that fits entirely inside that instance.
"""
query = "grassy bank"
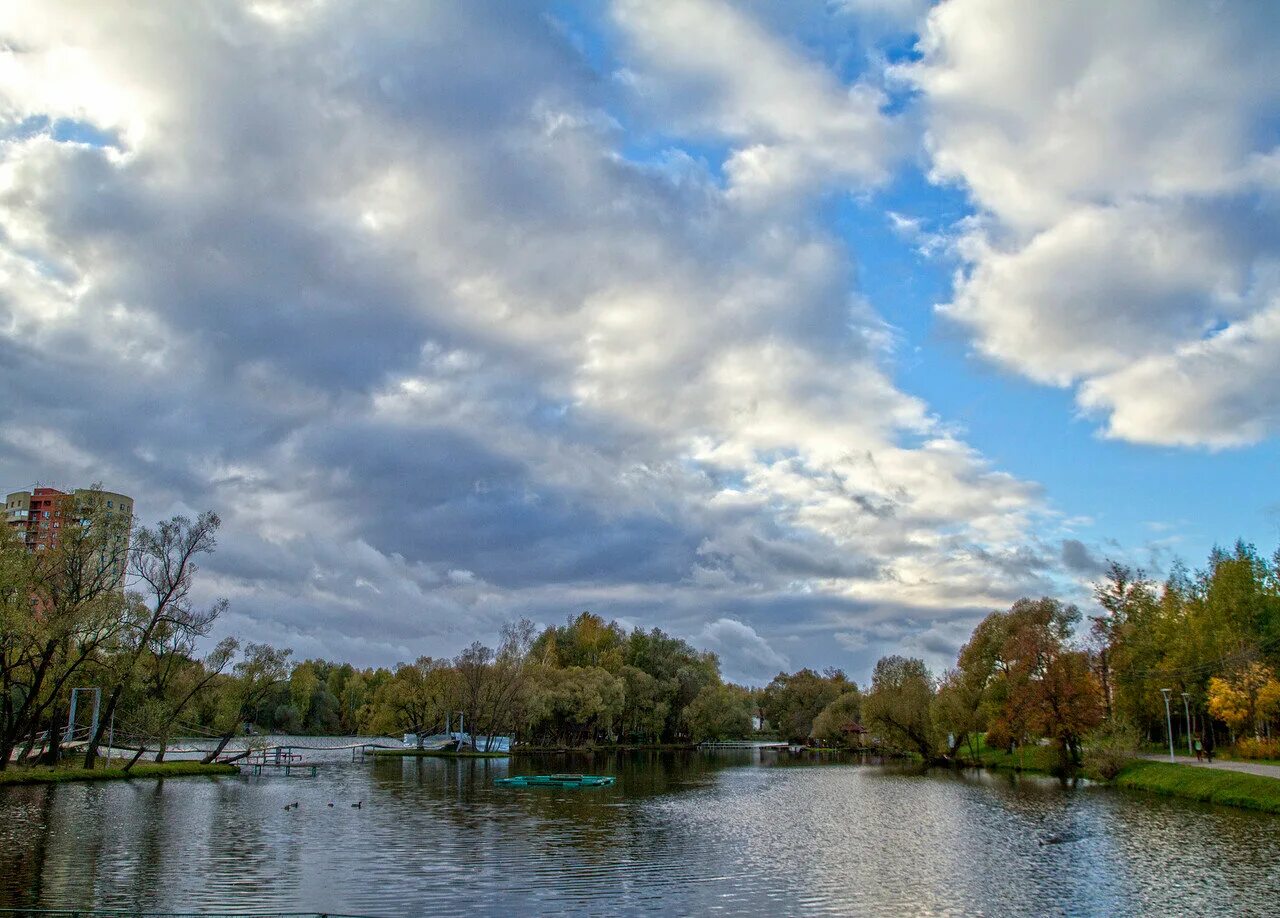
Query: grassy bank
(40, 774)
(1229, 788)
(1042, 759)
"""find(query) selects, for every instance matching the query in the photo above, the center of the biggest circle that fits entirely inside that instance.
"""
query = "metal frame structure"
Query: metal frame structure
(71, 715)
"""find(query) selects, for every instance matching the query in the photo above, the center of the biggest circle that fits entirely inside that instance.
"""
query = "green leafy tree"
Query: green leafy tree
(840, 722)
(65, 609)
(164, 563)
(261, 670)
(417, 698)
(719, 712)
(791, 702)
(899, 706)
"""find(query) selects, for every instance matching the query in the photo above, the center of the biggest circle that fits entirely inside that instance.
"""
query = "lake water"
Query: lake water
(742, 832)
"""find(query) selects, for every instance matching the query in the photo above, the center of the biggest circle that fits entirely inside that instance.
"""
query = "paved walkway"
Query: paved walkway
(1252, 768)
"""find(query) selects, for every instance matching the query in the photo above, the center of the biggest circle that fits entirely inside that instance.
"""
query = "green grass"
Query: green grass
(1028, 758)
(1209, 785)
(41, 774)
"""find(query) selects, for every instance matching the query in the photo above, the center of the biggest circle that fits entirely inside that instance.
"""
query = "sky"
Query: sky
(805, 331)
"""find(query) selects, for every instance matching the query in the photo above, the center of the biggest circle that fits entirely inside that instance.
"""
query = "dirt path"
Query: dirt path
(1251, 768)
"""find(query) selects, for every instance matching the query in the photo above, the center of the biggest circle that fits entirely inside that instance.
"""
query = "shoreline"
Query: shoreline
(1206, 785)
(621, 747)
(412, 753)
(1182, 780)
(41, 774)
(531, 750)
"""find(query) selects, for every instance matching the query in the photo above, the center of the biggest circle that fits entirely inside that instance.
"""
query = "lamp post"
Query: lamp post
(1168, 719)
(1186, 707)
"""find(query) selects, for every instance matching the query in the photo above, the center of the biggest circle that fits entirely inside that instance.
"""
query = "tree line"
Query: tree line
(110, 605)
(1043, 672)
(586, 682)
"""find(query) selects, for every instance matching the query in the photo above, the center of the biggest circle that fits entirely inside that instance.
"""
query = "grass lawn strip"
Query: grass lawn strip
(40, 774)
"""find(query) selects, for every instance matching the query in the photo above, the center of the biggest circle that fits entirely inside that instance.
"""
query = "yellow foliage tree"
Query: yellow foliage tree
(1245, 698)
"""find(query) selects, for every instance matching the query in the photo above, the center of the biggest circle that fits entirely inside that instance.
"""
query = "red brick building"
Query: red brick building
(37, 516)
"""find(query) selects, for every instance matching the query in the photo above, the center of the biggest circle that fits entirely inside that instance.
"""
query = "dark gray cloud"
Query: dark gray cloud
(1077, 557)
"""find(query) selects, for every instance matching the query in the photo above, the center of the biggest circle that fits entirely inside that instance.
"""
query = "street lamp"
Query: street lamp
(1168, 719)
(1187, 710)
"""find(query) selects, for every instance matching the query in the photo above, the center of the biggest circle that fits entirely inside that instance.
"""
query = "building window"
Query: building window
(110, 505)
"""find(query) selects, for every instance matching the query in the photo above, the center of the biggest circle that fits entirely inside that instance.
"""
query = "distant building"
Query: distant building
(37, 516)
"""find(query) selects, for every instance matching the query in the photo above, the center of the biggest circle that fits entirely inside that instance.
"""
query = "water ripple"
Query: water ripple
(683, 834)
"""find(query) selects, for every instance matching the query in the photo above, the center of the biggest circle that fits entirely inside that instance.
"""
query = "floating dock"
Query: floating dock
(557, 781)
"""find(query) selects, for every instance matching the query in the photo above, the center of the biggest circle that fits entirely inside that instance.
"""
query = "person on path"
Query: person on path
(1208, 744)
(1199, 750)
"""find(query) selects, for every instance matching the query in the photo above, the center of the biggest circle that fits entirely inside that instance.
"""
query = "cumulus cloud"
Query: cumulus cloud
(715, 71)
(382, 286)
(744, 655)
(1125, 173)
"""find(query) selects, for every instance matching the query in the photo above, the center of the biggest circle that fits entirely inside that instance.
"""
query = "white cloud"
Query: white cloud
(1123, 164)
(719, 73)
(744, 655)
(1220, 391)
(410, 319)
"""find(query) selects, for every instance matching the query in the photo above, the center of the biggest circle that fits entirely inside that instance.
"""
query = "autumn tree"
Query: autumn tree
(1245, 698)
(972, 694)
(1046, 684)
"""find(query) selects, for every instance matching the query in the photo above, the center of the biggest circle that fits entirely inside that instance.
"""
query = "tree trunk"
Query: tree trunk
(137, 755)
(53, 746)
(30, 745)
(91, 751)
(1104, 659)
(222, 744)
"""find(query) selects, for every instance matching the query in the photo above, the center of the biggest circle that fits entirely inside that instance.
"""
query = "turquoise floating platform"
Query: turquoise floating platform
(557, 781)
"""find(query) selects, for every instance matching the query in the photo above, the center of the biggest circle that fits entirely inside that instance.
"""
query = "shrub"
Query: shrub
(1109, 748)
(1251, 748)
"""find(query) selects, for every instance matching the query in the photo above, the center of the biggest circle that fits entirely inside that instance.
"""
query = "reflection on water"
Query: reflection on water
(731, 832)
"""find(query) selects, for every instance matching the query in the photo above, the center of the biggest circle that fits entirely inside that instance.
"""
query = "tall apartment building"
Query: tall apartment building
(37, 516)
